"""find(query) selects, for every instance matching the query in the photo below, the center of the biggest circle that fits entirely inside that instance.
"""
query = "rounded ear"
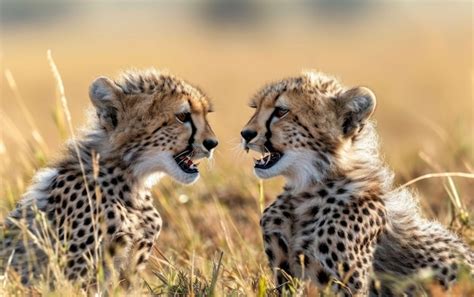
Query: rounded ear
(104, 95)
(102, 91)
(355, 107)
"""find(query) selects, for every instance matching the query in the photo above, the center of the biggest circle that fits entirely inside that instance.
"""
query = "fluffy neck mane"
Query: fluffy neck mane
(94, 145)
(358, 160)
(93, 141)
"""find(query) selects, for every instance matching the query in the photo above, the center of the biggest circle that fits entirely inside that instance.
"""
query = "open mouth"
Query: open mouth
(185, 162)
(270, 158)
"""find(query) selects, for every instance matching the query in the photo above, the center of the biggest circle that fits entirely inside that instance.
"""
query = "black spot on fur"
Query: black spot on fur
(270, 255)
(73, 248)
(110, 214)
(90, 239)
(323, 277)
(126, 188)
(314, 210)
(346, 267)
(340, 247)
(329, 263)
(322, 193)
(340, 233)
(323, 248)
(111, 229)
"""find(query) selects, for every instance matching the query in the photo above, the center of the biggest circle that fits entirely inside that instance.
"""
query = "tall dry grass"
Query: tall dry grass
(210, 243)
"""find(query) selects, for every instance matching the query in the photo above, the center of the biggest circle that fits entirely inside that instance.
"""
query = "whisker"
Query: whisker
(233, 140)
(210, 162)
(237, 150)
(269, 157)
(180, 154)
(191, 155)
(181, 161)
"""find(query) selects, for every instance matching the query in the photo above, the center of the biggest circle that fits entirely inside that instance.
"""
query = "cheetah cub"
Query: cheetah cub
(98, 206)
(339, 217)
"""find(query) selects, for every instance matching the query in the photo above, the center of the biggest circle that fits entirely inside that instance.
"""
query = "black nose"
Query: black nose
(209, 144)
(248, 135)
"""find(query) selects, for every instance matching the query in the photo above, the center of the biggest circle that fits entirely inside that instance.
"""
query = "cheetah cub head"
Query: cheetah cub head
(154, 122)
(304, 125)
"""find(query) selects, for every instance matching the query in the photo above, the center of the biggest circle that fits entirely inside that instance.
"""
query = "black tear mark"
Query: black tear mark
(268, 133)
(193, 130)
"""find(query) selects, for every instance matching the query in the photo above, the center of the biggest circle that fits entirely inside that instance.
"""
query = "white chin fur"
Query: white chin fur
(165, 163)
(296, 167)
(185, 178)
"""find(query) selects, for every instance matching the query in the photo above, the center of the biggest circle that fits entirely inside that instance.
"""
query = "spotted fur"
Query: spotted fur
(339, 218)
(96, 210)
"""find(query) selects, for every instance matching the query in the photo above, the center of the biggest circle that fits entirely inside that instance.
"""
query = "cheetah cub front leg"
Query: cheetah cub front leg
(142, 245)
(135, 247)
(324, 235)
(276, 229)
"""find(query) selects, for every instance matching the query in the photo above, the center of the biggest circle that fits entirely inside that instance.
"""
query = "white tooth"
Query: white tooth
(268, 159)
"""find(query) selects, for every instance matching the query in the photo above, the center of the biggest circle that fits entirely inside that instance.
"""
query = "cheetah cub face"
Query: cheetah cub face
(157, 123)
(302, 126)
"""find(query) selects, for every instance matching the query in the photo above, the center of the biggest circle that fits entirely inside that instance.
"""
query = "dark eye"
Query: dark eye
(183, 117)
(280, 112)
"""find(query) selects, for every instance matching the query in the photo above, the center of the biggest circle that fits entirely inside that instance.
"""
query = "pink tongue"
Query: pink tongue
(189, 162)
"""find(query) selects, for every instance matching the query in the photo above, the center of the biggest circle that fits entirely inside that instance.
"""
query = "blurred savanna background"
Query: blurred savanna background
(415, 55)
